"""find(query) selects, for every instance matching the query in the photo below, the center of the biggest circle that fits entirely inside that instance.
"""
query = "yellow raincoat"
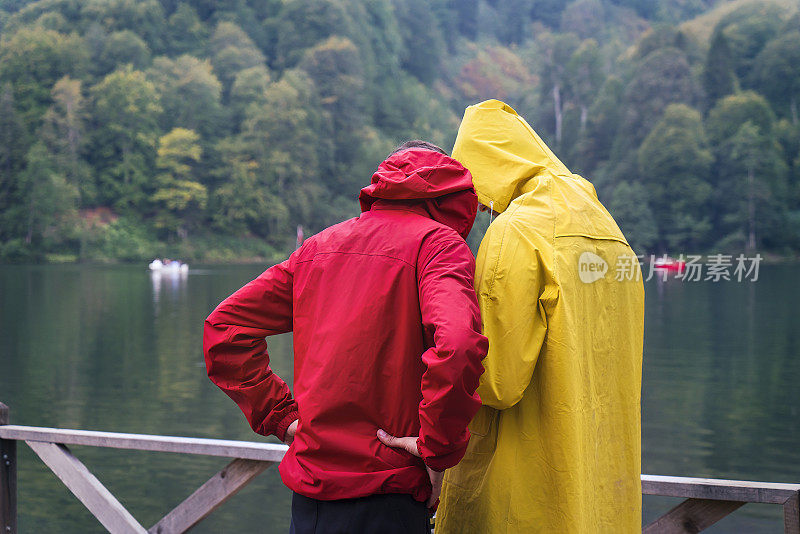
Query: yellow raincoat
(556, 446)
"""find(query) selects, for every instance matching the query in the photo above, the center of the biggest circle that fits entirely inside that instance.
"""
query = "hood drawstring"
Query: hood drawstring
(491, 211)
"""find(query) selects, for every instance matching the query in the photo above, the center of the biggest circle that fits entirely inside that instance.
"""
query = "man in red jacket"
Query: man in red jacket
(386, 338)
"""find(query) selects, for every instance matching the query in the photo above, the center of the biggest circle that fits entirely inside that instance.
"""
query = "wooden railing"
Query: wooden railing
(51, 445)
(707, 500)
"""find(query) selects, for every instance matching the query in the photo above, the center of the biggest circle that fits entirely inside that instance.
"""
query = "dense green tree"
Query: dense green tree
(303, 24)
(12, 136)
(795, 186)
(190, 94)
(334, 66)
(792, 24)
(787, 135)
(52, 21)
(248, 87)
(423, 45)
(747, 29)
(513, 22)
(45, 198)
(287, 136)
(603, 121)
(126, 112)
(662, 78)
(466, 14)
(777, 73)
(559, 48)
(33, 59)
(730, 113)
(584, 71)
(12, 158)
(657, 38)
(63, 133)
(751, 186)
(95, 38)
(145, 18)
(750, 172)
(630, 207)
(379, 50)
(120, 48)
(674, 11)
(419, 114)
(719, 78)
(746, 148)
(586, 18)
(245, 203)
(186, 32)
(498, 72)
(674, 165)
(179, 199)
(666, 10)
(31, 12)
(643, 8)
(547, 11)
(232, 51)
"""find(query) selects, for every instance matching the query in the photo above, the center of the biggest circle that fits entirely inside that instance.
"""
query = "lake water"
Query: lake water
(112, 348)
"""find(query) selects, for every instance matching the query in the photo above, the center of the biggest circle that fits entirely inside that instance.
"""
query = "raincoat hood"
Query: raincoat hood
(436, 182)
(503, 153)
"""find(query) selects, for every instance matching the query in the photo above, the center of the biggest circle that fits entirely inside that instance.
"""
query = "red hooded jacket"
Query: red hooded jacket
(386, 335)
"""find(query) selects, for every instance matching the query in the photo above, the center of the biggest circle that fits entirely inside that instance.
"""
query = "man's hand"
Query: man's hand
(409, 444)
(290, 432)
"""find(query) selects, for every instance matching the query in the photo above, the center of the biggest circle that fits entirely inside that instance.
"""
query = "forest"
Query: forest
(210, 129)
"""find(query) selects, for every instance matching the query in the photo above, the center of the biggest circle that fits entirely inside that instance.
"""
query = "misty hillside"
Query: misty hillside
(211, 129)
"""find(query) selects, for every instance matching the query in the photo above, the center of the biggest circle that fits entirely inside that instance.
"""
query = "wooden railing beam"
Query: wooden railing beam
(791, 514)
(248, 450)
(692, 516)
(718, 489)
(708, 500)
(210, 496)
(85, 486)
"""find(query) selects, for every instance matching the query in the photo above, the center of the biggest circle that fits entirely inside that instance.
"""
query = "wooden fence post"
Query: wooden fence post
(8, 479)
(791, 514)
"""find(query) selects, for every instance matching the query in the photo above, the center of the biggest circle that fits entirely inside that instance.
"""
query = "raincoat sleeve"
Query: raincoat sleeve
(451, 319)
(236, 351)
(510, 277)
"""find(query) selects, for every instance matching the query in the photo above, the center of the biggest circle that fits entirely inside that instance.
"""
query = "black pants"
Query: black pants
(379, 514)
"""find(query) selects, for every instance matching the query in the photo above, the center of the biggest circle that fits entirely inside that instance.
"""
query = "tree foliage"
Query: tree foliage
(126, 111)
(778, 73)
(180, 198)
(719, 78)
(179, 120)
(674, 165)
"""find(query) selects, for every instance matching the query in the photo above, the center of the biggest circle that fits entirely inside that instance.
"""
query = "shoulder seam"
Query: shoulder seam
(309, 260)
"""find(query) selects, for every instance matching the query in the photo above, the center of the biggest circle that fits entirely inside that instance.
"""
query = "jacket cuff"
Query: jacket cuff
(284, 423)
(440, 462)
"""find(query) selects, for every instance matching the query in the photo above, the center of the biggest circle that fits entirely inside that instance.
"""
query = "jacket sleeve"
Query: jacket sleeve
(236, 352)
(451, 320)
(510, 282)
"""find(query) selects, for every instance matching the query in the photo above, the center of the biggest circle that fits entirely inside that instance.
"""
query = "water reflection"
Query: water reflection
(171, 281)
(117, 348)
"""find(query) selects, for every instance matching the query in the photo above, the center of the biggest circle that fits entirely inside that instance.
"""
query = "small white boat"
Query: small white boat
(169, 266)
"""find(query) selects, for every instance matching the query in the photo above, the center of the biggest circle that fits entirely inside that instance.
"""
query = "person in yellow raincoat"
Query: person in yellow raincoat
(556, 445)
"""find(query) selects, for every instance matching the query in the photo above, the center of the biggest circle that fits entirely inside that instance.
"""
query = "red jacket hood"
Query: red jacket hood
(440, 184)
